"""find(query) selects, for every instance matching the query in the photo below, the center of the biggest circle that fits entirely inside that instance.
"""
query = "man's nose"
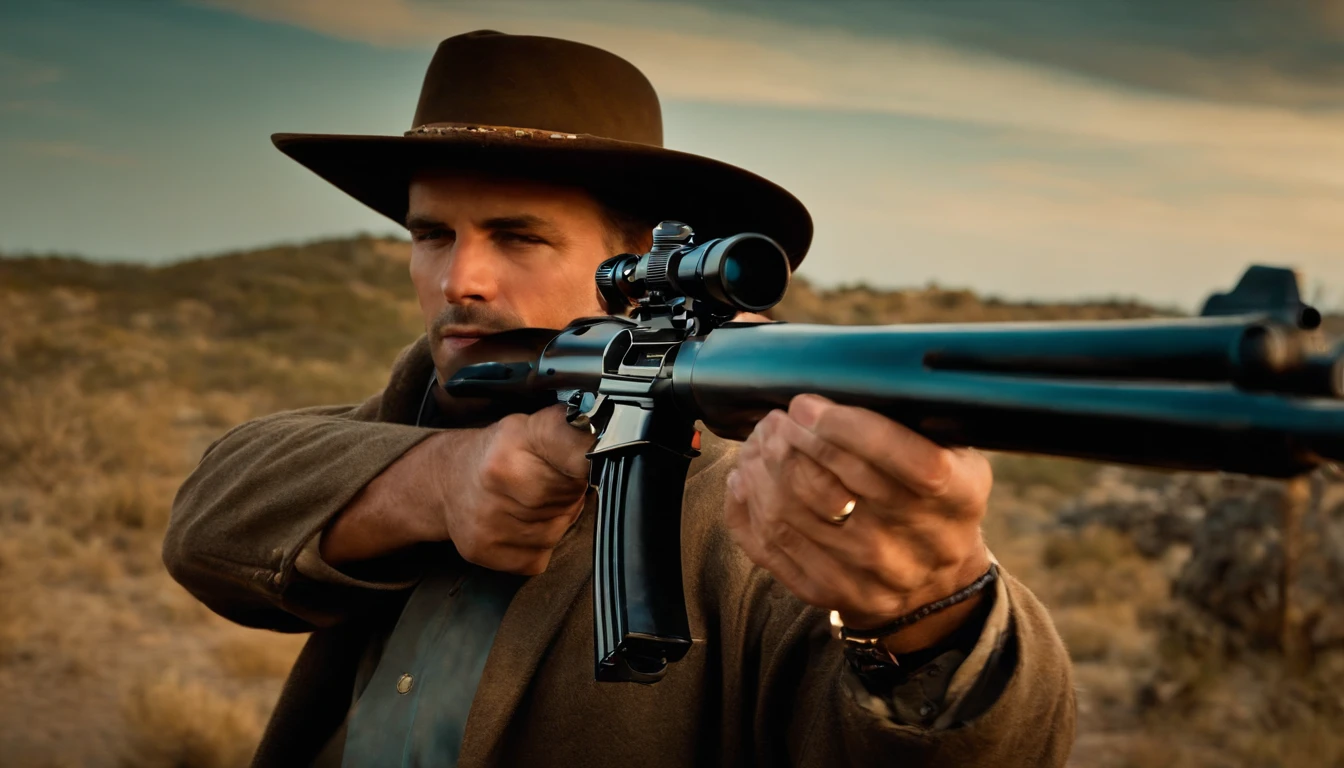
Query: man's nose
(470, 275)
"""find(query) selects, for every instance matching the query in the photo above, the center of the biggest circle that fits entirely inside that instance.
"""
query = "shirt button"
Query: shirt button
(405, 683)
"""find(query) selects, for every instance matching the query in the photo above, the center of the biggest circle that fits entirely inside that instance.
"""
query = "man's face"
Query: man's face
(491, 254)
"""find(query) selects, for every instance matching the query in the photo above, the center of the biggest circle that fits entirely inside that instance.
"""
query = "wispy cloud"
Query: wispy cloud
(73, 151)
(699, 54)
(42, 108)
(1206, 168)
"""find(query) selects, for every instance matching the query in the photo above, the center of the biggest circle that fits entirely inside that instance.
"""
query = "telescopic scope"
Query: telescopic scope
(747, 272)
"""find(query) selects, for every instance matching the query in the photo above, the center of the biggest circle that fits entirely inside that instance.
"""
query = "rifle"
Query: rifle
(1242, 388)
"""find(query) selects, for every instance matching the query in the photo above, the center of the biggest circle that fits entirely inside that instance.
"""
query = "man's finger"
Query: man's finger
(820, 498)
(808, 570)
(815, 496)
(851, 470)
(924, 467)
(507, 558)
(737, 518)
(793, 481)
(562, 446)
(537, 490)
(541, 532)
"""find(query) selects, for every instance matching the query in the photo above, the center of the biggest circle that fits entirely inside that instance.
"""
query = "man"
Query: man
(443, 567)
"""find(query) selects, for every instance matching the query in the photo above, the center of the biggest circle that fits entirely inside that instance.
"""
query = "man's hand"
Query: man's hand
(503, 494)
(520, 490)
(913, 537)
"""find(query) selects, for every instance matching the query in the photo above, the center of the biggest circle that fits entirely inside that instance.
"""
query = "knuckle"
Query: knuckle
(981, 472)
(740, 534)
(797, 403)
(775, 448)
(826, 423)
(469, 547)
(886, 604)
(513, 428)
(828, 454)
(867, 556)
(777, 532)
(576, 509)
(553, 531)
(750, 451)
(936, 476)
(488, 537)
(547, 418)
(768, 427)
(771, 421)
(902, 578)
(577, 467)
(496, 466)
(530, 497)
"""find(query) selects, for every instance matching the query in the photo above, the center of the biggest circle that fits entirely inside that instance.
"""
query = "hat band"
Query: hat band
(442, 129)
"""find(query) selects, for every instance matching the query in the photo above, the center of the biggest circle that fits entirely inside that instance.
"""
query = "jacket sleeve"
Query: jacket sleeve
(244, 528)
(1009, 702)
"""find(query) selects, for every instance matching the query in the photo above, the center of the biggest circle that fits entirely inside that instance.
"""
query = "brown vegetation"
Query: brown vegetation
(114, 378)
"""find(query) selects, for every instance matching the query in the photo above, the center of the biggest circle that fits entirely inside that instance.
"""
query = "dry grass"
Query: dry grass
(258, 655)
(1067, 476)
(862, 305)
(173, 723)
(113, 380)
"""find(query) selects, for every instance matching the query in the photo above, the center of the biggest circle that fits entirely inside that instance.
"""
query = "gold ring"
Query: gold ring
(845, 513)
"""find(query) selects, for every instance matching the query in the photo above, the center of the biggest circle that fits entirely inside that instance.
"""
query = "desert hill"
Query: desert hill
(115, 377)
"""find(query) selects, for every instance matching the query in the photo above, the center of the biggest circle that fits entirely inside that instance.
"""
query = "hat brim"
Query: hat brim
(716, 199)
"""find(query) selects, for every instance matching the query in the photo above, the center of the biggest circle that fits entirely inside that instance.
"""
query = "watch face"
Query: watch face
(873, 665)
(840, 632)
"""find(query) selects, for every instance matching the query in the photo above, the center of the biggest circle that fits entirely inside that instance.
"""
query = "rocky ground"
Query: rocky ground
(1168, 590)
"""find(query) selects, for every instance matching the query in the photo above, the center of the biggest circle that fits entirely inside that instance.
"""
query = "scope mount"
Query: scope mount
(648, 285)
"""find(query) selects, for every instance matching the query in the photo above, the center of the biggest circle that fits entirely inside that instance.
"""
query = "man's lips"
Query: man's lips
(462, 337)
(460, 342)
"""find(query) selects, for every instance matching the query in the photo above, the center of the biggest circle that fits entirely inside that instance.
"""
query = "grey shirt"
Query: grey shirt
(414, 710)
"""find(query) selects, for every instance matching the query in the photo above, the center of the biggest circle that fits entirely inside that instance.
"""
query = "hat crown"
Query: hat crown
(491, 78)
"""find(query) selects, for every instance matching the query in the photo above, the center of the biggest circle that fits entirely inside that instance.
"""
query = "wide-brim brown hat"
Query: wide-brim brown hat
(558, 111)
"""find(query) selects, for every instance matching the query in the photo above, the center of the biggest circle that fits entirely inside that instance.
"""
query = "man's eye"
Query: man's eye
(518, 237)
(431, 234)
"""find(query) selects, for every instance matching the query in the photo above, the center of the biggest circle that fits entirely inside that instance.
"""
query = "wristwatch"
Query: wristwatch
(864, 650)
(867, 656)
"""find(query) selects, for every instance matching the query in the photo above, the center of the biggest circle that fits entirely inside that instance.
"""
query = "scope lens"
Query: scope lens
(753, 273)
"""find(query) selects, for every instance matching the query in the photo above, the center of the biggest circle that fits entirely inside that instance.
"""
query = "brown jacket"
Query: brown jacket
(762, 684)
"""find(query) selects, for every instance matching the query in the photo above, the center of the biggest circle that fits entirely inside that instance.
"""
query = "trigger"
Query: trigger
(583, 409)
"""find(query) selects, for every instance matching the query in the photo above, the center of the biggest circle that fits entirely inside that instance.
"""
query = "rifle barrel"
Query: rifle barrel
(1148, 399)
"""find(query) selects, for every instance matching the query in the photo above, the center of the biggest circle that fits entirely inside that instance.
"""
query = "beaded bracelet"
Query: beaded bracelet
(923, 612)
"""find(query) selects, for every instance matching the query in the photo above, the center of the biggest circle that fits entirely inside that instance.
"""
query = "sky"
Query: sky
(1021, 148)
